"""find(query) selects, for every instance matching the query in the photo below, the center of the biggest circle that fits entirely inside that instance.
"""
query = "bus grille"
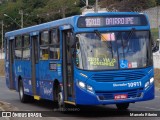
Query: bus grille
(119, 76)
(110, 95)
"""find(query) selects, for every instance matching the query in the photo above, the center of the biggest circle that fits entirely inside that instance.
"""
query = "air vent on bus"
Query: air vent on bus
(118, 76)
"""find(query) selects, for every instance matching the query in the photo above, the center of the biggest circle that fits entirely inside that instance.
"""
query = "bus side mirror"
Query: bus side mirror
(155, 46)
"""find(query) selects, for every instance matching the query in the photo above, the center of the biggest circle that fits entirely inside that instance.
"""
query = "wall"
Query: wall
(156, 59)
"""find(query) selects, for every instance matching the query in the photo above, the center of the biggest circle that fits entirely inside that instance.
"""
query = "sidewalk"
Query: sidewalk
(6, 107)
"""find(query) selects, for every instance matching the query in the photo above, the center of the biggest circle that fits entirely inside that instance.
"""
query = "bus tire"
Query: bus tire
(122, 106)
(63, 107)
(60, 100)
(56, 91)
(23, 98)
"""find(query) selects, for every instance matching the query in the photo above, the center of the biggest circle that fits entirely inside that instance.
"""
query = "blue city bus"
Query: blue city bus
(91, 59)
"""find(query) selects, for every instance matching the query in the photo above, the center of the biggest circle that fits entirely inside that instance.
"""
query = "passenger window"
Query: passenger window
(26, 53)
(44, 45)
(26, 41)
(54, 50)
(18, 42)
(6, 48)
(18, 47)
(44, 39)
(18, 53)
(44, 55)
(26, 47)
(54, 37)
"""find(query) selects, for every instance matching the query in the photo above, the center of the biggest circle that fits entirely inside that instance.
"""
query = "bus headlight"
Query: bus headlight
(148, 83)
(85, 86)
(81, 84)
(151, 80)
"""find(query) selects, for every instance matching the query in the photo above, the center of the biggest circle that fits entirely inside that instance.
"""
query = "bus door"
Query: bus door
(34, 63)
(11, 64)
(68, 78)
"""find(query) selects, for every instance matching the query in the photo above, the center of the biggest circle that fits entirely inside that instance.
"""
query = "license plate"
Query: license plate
(120, 96)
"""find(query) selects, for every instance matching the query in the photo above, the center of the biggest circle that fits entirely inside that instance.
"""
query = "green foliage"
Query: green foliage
(128, 5)
(154, 33)
(61, 7)
(158, 2)
(36, 11)
(40, 11)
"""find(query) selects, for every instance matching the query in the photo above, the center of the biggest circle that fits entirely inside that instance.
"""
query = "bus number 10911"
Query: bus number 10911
(134, 84)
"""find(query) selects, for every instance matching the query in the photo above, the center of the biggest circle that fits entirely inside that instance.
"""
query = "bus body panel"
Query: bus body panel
(47, 71)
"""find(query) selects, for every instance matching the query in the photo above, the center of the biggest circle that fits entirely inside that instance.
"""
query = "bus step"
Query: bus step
(70, 102)
(36, 97)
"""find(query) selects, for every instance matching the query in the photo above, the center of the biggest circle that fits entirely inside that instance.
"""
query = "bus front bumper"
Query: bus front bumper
(84, 97)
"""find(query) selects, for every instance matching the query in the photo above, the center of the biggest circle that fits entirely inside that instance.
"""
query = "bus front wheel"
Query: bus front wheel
(122, 106)
(60, 100)
(23, 98)
(63, 107)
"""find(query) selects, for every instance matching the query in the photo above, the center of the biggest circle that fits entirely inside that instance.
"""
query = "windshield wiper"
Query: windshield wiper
(101, 36)
(129, 36)
(128, 39)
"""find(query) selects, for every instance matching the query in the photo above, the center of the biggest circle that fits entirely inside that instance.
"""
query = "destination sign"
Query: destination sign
(134, 20)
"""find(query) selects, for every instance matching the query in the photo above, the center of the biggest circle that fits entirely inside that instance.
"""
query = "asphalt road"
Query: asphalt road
(104, 112)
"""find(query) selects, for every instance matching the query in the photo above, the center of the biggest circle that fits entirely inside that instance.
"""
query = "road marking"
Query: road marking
(147, 108)
(152, 108)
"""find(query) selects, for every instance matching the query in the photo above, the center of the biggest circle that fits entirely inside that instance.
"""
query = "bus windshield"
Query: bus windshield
(113, 50)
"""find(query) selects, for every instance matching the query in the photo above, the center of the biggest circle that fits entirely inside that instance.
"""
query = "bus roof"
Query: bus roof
(65, 21)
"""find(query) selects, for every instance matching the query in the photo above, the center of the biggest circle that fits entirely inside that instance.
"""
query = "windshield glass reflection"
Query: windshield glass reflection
(113, 50)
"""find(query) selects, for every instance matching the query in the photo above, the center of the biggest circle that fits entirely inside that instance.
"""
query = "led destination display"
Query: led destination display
(134, 20)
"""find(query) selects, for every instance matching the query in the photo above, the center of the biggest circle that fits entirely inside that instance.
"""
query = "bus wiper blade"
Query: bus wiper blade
(128, 40)
(129, 36)
(101, 36)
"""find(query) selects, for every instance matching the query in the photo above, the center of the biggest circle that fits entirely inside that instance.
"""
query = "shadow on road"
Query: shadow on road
(77, 111)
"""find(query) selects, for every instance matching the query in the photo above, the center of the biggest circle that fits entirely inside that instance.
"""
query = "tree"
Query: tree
(127, 5)
(60, 7)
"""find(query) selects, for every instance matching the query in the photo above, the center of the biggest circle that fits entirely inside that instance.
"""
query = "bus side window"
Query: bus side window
(18, 47)
(44, 45)
(54, 50)
(26, 47)
(6, 48)
(44, 53)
